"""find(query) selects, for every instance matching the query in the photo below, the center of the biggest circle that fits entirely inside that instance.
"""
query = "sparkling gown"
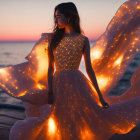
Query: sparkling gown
(76, 114)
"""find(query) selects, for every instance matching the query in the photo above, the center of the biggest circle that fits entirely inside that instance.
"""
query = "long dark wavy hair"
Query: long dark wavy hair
(70, 12)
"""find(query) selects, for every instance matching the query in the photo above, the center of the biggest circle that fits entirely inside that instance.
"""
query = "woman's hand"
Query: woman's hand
(104, 103)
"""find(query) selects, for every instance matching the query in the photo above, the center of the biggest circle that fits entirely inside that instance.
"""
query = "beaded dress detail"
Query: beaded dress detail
(68, 54)
(76, 114)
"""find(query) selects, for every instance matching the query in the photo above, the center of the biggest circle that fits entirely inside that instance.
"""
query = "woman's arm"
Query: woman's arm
(50, 76)
(50, 87)
(90, 71)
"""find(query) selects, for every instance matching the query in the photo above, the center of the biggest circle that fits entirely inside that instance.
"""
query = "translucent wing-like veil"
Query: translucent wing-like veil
(110, 56)
(28, 80)
(114, 50)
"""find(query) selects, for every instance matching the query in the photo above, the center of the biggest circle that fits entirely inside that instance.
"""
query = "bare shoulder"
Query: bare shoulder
(86, 43)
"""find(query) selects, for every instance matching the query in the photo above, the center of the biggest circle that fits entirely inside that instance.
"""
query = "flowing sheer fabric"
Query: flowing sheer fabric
(29, 78)
(77, 113)
(114, 50)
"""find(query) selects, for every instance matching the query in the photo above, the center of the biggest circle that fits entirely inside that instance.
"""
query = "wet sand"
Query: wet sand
(7, 119)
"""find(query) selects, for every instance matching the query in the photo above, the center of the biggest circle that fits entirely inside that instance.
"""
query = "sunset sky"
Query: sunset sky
(23, 20)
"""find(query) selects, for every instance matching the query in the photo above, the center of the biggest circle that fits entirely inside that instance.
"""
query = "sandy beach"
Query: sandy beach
(8, 116)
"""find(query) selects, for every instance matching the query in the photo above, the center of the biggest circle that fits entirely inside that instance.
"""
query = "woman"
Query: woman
(76, 113)
(67, 23)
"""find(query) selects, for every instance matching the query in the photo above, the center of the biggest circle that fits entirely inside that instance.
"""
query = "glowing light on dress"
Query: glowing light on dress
(125, 129)
(138, 7)
(86, 133)
(51, 126)
(40, 86)
(103, 81)
(96, 54)
(22, 93)
(136, 39)
(118, 61)
(41, 59)
(118, 44)
(3, 71)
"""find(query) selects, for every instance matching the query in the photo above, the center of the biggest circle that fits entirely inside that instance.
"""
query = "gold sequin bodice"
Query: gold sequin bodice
(68, 53)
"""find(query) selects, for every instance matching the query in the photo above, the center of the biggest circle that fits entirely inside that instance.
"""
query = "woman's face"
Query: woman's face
(60, 19)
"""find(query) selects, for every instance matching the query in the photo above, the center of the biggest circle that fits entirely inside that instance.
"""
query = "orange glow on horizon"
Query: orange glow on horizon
(19, 36)
(34, 37)
(19, 39)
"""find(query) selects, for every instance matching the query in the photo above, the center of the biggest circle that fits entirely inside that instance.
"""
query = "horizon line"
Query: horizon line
(4, 41)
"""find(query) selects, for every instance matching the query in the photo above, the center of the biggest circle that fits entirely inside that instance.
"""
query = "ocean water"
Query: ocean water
(12, 53)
